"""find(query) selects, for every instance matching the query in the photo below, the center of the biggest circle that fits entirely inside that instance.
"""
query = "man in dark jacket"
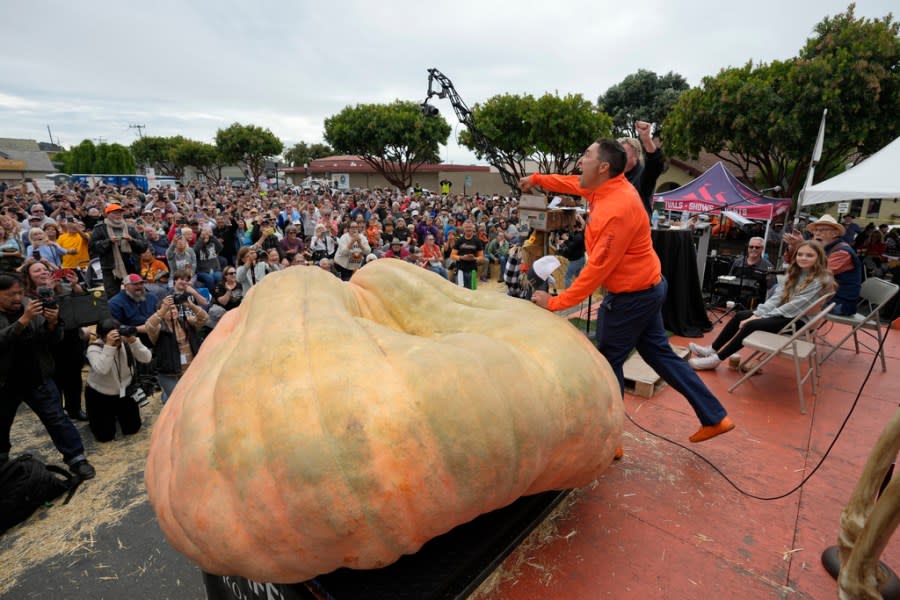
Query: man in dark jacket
(645, 162)
(27, 329)
(118, 246)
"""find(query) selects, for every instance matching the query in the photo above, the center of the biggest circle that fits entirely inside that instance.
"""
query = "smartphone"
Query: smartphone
(36, 254)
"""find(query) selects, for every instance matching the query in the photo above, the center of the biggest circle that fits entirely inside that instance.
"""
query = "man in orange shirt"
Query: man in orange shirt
(621, 258)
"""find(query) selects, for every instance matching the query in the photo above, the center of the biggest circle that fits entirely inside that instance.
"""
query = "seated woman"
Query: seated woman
(807, 279)
(432, 258)
(155, 273)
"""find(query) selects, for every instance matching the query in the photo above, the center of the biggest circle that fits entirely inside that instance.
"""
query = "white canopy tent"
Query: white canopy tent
(876, 177)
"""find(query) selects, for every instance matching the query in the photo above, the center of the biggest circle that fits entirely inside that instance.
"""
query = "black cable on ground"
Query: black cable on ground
(821, 460)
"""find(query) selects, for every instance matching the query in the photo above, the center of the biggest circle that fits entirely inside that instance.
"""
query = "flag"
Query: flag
(816, 157)
(820, 140)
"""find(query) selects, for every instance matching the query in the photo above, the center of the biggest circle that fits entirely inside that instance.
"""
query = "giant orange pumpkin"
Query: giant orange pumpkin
(327, 424)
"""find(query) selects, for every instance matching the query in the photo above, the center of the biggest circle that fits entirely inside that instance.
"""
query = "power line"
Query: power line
(139, 128)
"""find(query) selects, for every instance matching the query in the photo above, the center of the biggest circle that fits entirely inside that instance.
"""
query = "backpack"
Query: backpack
(26, 483)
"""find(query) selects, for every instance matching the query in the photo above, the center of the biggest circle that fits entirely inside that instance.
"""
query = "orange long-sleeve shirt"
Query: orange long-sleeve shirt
(617, 239)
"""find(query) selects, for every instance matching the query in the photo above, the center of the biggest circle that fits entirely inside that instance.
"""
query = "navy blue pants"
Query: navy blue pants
(634, 320)
(44, 400)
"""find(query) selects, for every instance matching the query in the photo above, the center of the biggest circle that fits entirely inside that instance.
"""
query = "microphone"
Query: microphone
(776, 188)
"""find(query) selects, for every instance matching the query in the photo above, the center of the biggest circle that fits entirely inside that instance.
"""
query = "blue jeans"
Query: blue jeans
(499, 259)
(167, 383)
(209, 280)
(573, 270)
(634, 320)
(440, 270)
(45, 402)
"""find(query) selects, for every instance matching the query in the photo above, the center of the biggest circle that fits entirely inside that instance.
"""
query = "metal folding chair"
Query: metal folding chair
(874, 294)
(798, 346)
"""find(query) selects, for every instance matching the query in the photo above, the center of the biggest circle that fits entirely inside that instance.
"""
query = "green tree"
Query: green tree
(114, 159)
(561, 128)
(204, 157)
(395, 139)
(157, 153)
(302, 153)
(504, 122)
(641, 96)
(86, 157)
(766, 117)
(83, 157)
(551, 131)
(249, 146)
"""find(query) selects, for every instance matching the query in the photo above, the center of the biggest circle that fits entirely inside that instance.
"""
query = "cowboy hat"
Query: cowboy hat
(826, 221)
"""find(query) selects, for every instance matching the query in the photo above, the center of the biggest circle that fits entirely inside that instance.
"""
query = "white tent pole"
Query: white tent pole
(816, 156)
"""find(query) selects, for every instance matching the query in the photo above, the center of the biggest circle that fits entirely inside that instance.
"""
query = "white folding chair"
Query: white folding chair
(798, 346)
(800, 320)
(874, 294)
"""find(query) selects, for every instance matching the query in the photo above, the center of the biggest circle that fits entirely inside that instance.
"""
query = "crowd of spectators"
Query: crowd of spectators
(170, 262)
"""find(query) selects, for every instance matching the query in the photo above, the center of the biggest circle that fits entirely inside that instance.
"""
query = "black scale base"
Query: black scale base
(450, 566)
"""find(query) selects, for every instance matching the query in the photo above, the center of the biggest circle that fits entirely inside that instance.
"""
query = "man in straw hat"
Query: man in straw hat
(843, 262)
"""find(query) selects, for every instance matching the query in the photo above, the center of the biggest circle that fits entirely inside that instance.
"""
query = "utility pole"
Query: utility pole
(50, 134)
(139, 128)
(99, 140)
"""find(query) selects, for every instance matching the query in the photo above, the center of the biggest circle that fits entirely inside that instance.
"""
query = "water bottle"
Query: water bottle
(654, 219)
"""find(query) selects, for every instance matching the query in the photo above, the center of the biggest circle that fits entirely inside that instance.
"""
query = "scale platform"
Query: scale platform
(450, 566)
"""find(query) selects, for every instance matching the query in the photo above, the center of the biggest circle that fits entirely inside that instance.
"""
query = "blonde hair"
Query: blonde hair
(635, 145)
(793, 283)
(35, 231)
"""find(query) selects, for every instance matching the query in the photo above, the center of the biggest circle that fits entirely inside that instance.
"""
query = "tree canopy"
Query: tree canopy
(248, 145)
(86, 157)
(767, 116)
(158, 153)
(302, 153)
(395, 139)
(204, 157)
(641, 96)
(552, 131)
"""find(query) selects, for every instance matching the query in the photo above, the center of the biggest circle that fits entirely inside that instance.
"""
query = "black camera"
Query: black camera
(46, 296)
(127, 330)
(261, 254)
(180, 298)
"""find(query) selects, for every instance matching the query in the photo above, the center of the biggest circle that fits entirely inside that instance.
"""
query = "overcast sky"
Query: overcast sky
(89, 69)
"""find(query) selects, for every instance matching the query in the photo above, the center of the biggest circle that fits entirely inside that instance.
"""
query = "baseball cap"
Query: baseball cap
(133, 278)
(111, 207)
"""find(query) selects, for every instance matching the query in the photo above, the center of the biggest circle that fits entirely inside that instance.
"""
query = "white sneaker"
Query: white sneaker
(698, 350)
(705, 363)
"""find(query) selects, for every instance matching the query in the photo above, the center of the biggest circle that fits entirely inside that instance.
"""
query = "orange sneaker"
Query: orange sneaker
(711, 431)
(619, 453)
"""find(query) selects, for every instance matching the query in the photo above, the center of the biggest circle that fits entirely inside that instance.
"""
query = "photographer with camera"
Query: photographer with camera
(49, 287)
(250, 267)
(182, 291)
(112, 395)
(28, 330)
(174, 332)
